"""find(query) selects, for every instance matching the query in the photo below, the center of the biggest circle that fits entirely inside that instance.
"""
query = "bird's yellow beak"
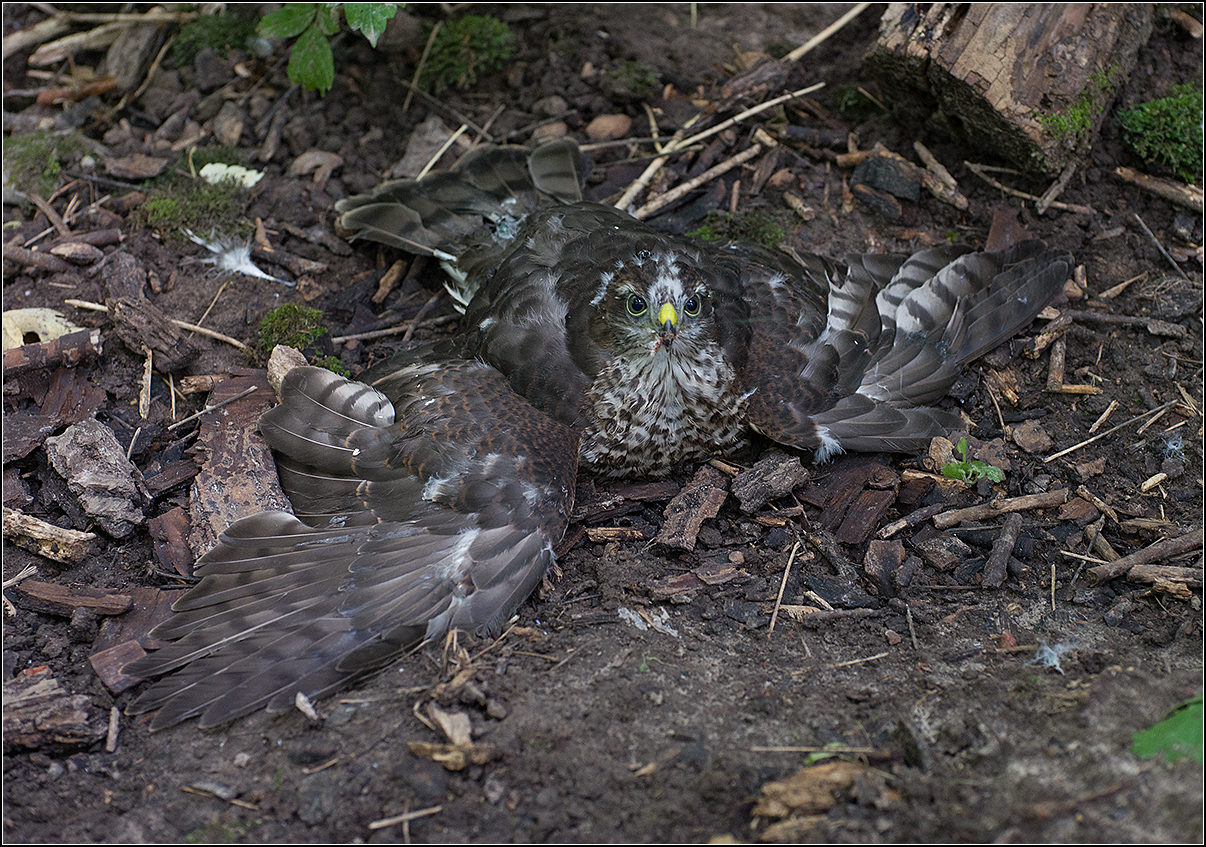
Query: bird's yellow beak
(667, 316)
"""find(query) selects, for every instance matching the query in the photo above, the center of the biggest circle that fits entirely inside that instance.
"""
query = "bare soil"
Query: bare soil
(599, 730)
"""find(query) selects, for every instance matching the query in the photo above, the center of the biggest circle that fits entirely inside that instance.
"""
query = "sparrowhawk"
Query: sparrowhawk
(430, 493)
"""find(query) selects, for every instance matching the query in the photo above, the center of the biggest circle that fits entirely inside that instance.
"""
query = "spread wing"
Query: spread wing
(432, 505)
(862, 372)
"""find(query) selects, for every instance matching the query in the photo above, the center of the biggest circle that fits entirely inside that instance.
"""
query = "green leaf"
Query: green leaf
(287, 22)
(311, 63)
(369, 18)
(328, 17)
(1178, 736)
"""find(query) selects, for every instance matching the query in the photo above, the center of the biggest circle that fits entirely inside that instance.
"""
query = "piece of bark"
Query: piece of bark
(45, 539)
(97, 471)
(143, 326)
(775, 475)
(883, 558)
(25, 432)
(845, 481)
(680, 587)
(169, 535)
(864, 515)
(78, 252)
(110, 665)
(995, 70)
(72, 396)
(66, 350)
(17, 494)
(176, 473)
(123, 277)
(150, 607)
(239, 475)
(596, 506)
(38, 712)
(1191, 577)
(53, 599)
(699, 500)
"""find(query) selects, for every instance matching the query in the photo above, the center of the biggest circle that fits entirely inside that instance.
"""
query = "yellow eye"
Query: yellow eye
(637, 305)
(693, 306)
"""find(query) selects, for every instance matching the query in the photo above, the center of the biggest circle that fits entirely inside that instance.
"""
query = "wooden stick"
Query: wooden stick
(1157, 552)
(980, 171)
(997, 507)
(65, 351)
(1002, 549)
(212, 407)
(1160, 247)
(209, 333)
(34, 259)
(678, 143)
(1109, 411)
(811, 44)
(36, 535)
(911, 519)
(691, 184)
(1184, 195)
(1111, 430)
(414, 82)
(782, 585)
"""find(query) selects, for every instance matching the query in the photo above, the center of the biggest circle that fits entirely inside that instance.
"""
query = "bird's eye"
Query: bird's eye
(693, 306)
(637, 305)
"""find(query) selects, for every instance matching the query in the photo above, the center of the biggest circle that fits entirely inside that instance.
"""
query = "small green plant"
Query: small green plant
(1168, 131)
(634, 79)
(1177, 736)
(311, 61)
(194, 205)
(331, 363)
(972, 471)
(463, 49)
(853, 102)
(217, 32)
(32, 162)
(1070, 127)
(291, 325)
(759, 226)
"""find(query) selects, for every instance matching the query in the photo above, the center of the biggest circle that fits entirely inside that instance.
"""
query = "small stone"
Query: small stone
(1031, 437)
(943, 551)
(608, 127)
(554, 130)
(551, 106)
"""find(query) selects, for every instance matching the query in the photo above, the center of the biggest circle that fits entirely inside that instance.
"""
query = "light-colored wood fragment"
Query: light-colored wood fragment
(45, 539)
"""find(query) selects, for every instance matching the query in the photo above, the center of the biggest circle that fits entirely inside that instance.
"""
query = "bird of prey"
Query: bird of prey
(430, 494)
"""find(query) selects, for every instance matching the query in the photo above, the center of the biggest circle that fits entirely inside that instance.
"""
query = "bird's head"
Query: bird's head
(654, 303)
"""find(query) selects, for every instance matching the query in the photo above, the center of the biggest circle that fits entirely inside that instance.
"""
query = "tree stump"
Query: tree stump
(1029, 82)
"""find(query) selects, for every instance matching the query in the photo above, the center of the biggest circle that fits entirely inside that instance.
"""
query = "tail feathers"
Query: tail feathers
(483, 197)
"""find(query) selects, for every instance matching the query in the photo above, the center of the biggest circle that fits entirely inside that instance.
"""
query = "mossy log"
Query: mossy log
(1029, 82)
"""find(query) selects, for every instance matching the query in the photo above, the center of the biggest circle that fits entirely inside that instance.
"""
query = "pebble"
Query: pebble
(1031, 437)
(608, 127)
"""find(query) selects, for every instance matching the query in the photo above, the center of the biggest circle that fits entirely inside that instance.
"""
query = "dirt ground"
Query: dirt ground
(599, 729)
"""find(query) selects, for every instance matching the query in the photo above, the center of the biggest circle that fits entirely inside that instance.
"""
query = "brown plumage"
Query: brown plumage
(431, 494)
